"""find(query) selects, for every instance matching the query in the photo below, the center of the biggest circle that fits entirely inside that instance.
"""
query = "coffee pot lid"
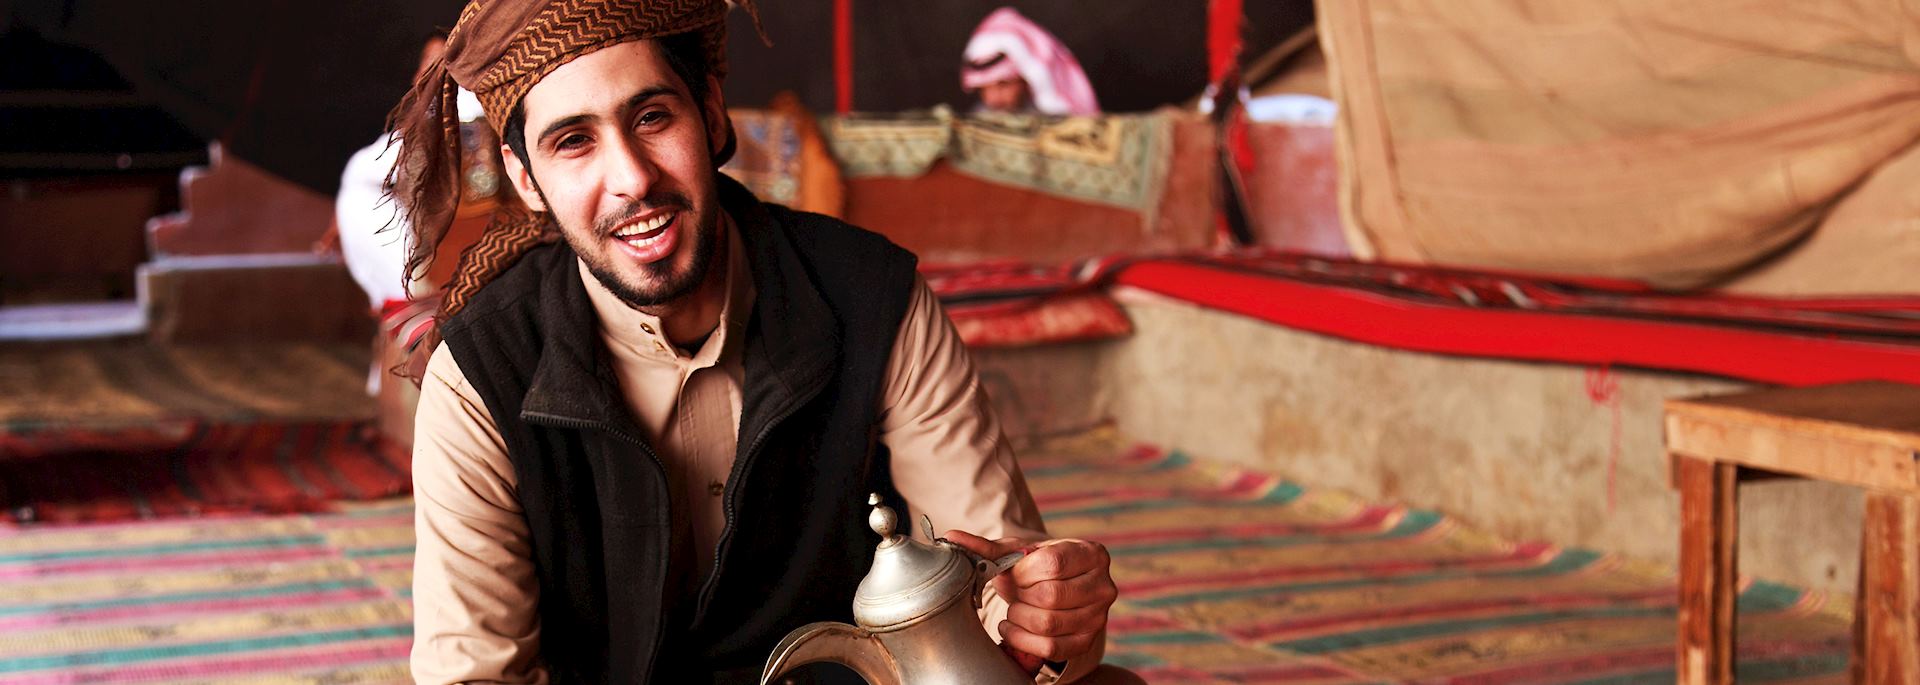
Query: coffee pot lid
(910, 580)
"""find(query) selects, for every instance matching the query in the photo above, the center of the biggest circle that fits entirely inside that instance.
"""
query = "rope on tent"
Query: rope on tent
(1603, 388)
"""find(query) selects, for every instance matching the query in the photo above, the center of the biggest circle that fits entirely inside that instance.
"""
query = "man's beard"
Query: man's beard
(674, 285)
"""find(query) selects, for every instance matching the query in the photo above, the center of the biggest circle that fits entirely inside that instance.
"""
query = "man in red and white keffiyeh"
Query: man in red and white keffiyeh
(1016, 66)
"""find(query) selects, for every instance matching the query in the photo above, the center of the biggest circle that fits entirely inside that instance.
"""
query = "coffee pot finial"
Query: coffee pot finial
(882, 520)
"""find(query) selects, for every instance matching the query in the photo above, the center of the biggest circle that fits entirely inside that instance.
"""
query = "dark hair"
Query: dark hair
(686, 55)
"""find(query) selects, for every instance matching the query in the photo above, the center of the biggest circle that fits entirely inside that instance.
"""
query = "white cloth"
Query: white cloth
(372, 232)
(1281, 108)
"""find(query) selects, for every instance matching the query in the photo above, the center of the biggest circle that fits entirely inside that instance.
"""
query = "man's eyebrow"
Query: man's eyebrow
(646, 94)
(635, 101)
(562, 123)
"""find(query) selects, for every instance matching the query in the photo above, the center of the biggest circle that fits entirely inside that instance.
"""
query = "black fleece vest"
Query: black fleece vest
(829, 301)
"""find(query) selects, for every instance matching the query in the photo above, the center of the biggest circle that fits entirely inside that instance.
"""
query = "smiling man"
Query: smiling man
(644, 447)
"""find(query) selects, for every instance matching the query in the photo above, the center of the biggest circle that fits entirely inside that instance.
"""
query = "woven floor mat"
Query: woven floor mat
(1227, 575)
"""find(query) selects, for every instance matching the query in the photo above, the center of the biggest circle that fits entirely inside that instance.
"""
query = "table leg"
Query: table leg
(1709, 512)
(1857, 658)
(1889, 586)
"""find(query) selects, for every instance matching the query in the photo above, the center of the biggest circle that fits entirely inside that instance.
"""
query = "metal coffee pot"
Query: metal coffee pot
(918, 615)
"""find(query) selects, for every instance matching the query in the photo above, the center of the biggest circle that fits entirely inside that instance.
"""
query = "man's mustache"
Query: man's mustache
(662, 201)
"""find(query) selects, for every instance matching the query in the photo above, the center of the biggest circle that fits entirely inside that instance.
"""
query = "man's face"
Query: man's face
(621, 155)
(1008, 95)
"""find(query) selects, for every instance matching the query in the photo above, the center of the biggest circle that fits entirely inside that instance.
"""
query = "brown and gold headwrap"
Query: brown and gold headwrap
(499, 49)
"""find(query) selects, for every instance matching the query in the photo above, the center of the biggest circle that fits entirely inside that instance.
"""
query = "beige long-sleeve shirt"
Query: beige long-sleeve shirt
(475, 594)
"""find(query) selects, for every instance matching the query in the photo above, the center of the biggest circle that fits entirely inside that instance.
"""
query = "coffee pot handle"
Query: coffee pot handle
(990, 568)
(985, 569)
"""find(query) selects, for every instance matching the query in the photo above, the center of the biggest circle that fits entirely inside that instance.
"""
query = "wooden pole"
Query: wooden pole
(843, 56)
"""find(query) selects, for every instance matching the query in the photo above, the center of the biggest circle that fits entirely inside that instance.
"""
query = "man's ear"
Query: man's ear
(719, 128)
(522, 179)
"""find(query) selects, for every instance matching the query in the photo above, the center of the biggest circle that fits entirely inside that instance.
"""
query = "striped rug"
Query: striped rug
(259, 599)
(1227, 576)
(1233, 576)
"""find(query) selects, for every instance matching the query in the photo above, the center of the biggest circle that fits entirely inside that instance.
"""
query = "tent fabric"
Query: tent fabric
(294, 88)
(1137, 54)
(1673, 143)
(1869, 242)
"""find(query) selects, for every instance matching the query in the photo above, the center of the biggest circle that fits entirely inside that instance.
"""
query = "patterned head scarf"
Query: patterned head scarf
(1008, 44)
(498, 50)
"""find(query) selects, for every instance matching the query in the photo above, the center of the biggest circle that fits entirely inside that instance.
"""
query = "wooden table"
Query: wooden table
(1862, 434)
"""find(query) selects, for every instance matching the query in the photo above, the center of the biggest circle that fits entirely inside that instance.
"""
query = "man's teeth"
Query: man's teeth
(647, 226)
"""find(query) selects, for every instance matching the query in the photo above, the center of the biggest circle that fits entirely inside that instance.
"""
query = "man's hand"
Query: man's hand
(1057, 596)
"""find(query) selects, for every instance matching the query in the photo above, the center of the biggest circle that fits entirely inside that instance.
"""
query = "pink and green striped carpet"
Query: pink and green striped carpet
(1227, 576)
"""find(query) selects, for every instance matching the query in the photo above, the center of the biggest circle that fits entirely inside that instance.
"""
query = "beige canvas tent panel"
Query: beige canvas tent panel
(1680, 143)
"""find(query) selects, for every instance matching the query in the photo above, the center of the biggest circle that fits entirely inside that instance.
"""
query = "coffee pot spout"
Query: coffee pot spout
(832, 642)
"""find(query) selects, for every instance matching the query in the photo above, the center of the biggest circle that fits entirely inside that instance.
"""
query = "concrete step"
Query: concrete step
(72, 321)
(253, 298)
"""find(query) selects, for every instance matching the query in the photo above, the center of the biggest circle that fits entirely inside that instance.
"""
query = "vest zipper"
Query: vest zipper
(726, 504)
(660, 568)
